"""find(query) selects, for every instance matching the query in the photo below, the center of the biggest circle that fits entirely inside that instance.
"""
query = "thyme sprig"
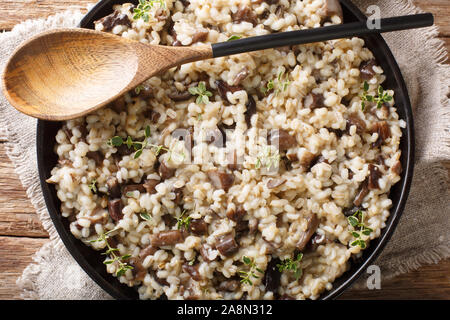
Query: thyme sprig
(292, 265)
(380, 99)
(280, 84)
(145, 215)
(139, 146)
(183, 221)
(143, 9)
(112, 253)
(251, 273)
(93, 186)
(359, 229)
(201, 92)
(268, 160)
(234, 37)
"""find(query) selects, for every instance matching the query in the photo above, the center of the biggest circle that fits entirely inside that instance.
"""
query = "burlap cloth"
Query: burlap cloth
(422, 237)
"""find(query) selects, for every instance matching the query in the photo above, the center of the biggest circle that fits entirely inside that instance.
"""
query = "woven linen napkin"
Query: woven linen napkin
(421, 237)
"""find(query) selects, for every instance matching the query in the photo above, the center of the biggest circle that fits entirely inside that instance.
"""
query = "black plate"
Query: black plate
(92, 262)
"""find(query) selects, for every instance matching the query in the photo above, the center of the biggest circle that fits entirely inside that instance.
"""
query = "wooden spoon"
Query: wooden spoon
(67, 73)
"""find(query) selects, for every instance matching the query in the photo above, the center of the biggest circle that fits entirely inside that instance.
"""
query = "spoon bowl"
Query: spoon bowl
(66, 73)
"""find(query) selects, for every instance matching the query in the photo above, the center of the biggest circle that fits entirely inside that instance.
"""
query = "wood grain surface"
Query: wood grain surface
(21, 233)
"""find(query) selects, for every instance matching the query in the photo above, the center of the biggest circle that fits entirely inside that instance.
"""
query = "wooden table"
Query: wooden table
(21, 233)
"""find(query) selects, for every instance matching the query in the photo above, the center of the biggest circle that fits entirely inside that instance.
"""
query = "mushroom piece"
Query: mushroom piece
(354, 120)
(306, 160)
(224, 87)
(363, 192)
(251, 110)
(374, 175)
(240, 76)
(236, 215)
(150, 185)
(192, 271)
(134, 187)
(198, 227)
(366, 71)
(114, 19)
(383, 130)
(180, 96)
(331, 8)
(167, 238)
(226, 245)
(245, 14)
(165, 172)
(97, 156)
(272, 276)
(113, 187)
(312, 223)
(115, 209)
(200, 36)
(220, 179)
(282, 139)
(274, 183)
(397, 168)
(313, 101)
(206, 252)
(234, 163)
(229, 285)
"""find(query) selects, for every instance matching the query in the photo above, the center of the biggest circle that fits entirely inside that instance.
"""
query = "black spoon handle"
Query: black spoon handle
(320, 34)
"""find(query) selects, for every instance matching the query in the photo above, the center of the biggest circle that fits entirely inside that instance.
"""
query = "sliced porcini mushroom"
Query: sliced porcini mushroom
(282, 139)
(331, 8)
(150, 185)
(165, 172)
(208, 253)
(147, 251)
(374, 175)
(178, 195)
(198, 227)
(200, 36)
(229, 285)
(306, 159)
(97, 156)
(272, 276)
(240, 76)
(221, 179)
(192, 271)
(275, 183)
(244, 13)
(167, 238)
(383, 130)
(114, 19)
(224, 87)
(115, 209)
(312, 223)
(354, 120)
(366, 71)
(134, 187)
(233, 161)
(397, 168)
(251, 110)
(362, 193)
(113, 187)
(216, 137)
(313, 101)
(227, 245)
(180, 96)
(236, 214)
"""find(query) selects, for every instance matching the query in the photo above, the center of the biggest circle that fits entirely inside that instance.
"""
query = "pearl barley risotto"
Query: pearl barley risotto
(254, 176)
